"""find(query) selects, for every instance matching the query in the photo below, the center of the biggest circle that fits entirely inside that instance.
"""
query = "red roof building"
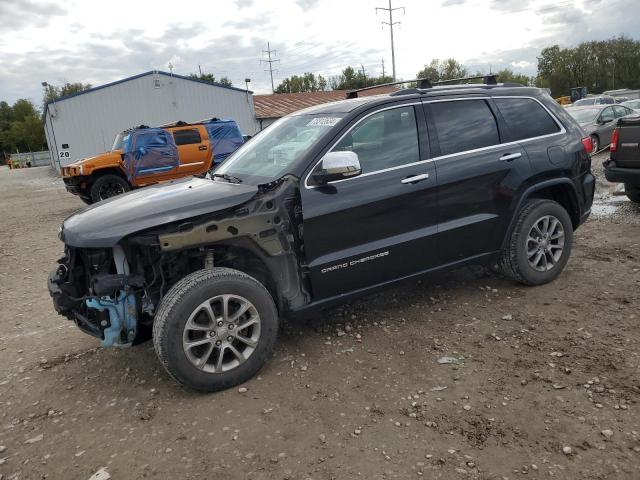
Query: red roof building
(271, 107)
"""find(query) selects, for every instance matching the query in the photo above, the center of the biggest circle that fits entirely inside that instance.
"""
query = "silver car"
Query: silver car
(598, 121)
(597, 100)
(632, 104)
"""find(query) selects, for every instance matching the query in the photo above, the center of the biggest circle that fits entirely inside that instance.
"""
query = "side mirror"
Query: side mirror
(337, 166)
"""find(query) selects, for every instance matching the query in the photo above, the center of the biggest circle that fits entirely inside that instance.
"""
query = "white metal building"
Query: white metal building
(85, 124)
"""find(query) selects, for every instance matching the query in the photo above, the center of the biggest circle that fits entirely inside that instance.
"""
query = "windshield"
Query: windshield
(584, 116)
(270, 155)
(585, 101)
(119, 141)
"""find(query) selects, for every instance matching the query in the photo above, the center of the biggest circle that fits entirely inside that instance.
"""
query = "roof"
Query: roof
(140, 75)
(278, 105)
(349, 105)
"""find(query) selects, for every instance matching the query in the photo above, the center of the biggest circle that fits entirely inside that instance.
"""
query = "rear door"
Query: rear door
(478, 176)
(381, 225)
(194, 149)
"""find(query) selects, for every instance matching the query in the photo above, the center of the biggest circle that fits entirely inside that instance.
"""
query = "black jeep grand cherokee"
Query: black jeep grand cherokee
(326, 204)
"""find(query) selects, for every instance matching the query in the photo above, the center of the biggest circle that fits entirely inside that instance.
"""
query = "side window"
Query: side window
(187, 137)
(384, 140)
(620, 111)
(607, 114)
(464, 125)
(526, 118)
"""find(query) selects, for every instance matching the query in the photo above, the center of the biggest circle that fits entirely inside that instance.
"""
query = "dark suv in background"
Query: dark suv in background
(324, 205)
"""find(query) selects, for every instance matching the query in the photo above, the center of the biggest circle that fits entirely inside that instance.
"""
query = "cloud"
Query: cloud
(450, 3)
(307, 4)
(17, 14)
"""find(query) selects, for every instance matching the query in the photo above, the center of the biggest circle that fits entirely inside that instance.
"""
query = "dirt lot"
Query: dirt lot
(356, 392)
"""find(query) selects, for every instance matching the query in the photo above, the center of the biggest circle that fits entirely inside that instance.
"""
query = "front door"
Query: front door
(194, 149)
(381, 225)
(151, 157)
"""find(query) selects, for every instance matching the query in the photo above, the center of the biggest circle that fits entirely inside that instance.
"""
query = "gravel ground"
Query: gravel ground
(462, 375)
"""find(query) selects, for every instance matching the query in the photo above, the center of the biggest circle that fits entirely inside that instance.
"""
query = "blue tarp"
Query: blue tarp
(225, 138)
(150, 151)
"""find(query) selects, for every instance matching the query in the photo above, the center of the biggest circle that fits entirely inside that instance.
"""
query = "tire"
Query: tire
(177, 322)
(514, 260)
(107, 186)
(633, 192)
(86, 200)
(595, 141)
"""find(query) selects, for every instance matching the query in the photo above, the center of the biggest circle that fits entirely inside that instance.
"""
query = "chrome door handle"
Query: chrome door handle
(510, 156)
(415, 178)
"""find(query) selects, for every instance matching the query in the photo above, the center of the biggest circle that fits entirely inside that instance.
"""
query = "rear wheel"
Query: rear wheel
(540, 243)
(108, 186)
(633, 192)
(215, 329)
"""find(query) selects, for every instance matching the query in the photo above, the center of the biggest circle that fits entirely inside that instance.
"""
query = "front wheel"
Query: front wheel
(595, 142)
(540, 243)
(633, 192)
(215, 329)
(108, 186)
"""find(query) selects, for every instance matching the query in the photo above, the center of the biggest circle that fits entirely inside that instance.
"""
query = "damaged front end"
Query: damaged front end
(94, 288)
(112, 290)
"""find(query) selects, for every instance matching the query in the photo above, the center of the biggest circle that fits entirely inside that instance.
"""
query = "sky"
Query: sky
(98, 42)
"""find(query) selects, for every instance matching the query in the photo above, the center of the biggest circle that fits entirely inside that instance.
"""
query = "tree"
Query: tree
(439, 70)
(351, 79)
(209, 78)
(599, 66)
(307, 82)
(509, 76)
(53, 92)
(20, 128)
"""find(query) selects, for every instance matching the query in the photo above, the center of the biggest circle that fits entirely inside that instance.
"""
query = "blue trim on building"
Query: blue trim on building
(140, 75)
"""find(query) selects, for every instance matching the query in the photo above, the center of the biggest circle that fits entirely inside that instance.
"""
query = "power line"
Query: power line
(391, 23)
(270, 61)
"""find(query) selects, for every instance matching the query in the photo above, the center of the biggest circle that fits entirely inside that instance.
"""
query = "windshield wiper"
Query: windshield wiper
(227, 177)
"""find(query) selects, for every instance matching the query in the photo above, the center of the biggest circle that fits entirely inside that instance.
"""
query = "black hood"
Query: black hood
(106, 223)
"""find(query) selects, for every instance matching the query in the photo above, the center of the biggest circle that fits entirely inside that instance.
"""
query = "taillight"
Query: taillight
(614, 141)
(587, 144)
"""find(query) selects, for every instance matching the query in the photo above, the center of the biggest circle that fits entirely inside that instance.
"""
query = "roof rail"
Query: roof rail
(424, 83)
(486, 79)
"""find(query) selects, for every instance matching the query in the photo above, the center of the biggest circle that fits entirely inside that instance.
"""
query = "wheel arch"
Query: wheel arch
(560, 190)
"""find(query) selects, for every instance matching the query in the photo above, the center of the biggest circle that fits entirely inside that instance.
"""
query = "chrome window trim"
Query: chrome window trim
(441, 157)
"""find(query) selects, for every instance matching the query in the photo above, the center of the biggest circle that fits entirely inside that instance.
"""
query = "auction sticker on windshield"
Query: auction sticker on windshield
(323, 122)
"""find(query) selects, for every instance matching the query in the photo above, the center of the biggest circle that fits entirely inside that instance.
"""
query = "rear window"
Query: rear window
(526, 118)
(186, 137)
(464, 125)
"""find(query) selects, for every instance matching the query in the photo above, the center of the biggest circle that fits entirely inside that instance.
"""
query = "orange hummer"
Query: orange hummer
(143, 156)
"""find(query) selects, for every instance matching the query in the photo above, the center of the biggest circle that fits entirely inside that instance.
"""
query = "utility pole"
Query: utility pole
(200, 70)
(270, 61)
(383, 67)
(391, 23)
(613, 79)
(364, 74)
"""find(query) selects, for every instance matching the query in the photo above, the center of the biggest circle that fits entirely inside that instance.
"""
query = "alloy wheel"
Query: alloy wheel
(110, 189)
(221, 333)
(545, 243)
